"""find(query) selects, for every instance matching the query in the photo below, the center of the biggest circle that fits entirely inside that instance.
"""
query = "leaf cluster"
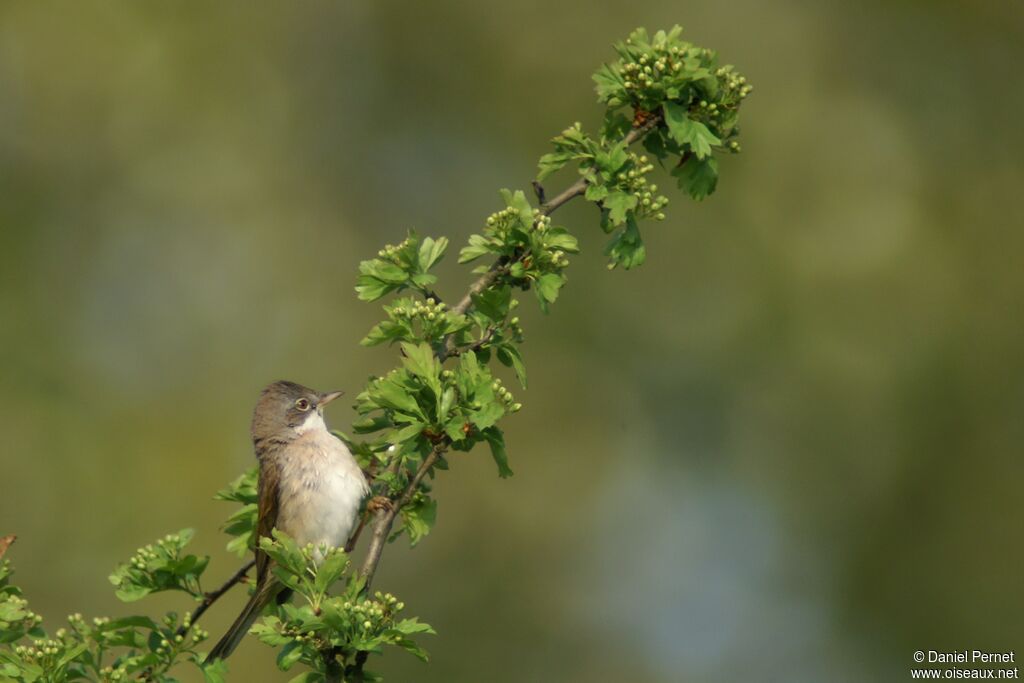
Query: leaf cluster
(343, 624)
(401, 266)
(242, 524)
(105, 649)
(688, 107)
(160, 566)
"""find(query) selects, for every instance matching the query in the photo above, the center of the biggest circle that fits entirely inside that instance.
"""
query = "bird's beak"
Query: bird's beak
(329, 396)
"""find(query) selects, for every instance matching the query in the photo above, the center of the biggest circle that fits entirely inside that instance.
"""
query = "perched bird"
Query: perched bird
(310, 487)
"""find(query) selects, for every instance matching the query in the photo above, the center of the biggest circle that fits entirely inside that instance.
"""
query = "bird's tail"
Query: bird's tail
(260, 599)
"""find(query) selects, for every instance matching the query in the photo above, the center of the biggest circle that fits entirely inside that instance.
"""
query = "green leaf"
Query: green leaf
(510, 357)
(478, 246)
(494, 302)
(386, 331)
(369, 288)
(619, 204)
(518, 201)
(496, 440)
(391, 395)
(420, 360)
(406, 433)
(595, 193)
(610, 161)
(215, 671)
(686, 131)
(445, 403)
(547, 287)
(607, 83)
(419, 518)
(626, 248)
(551, 163)
(431, 251)
(289, 655)
(330, 570)
(698, 177)
(559, 238)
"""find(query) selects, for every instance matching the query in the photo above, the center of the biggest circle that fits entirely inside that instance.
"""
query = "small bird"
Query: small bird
(310, 487)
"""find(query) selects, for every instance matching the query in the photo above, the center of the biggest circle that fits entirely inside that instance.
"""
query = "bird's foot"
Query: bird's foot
(378, 503)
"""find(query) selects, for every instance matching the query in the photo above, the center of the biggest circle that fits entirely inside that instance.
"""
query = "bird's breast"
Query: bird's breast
(320, 491)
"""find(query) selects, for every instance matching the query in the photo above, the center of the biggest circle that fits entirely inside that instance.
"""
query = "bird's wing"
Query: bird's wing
(267, 507)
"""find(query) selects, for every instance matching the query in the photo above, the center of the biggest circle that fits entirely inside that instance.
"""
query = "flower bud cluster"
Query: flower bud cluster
(541, 221)
(165, 646)
(109, 673)
(649, 204)
(506, 396)
(735, 84)
(500, 223)
(373, 615)
(390, 252)
(646, 70)
(429, 310)
(20, 604)
(168, 546)
(515, 328)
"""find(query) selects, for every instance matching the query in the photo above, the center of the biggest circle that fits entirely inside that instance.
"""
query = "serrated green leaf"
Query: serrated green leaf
(496, 440)
(494, 302)
(626, 248)
(478, 246)
(619, 204)
(215, 671)
(418, 519)
(419, 359)
(551, 163)
(289, 655)
(559, 238)
(547, 287)
(607, 83)
(431, 251)
(686, 131)
(595, 193)
(509, 356)
(698, 177)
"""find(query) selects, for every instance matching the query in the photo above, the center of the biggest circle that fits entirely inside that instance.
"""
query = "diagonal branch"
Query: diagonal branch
(547, 208)
(385, 517)
(212, 596)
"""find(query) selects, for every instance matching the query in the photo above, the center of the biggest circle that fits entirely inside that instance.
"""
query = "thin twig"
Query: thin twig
(385, 517)
(212, 596)
(547, 208)
(538, 190)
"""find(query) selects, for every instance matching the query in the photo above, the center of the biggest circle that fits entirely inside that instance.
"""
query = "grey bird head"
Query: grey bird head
(286, 410)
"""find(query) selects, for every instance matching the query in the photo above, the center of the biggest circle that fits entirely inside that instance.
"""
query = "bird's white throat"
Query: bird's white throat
(314, 423)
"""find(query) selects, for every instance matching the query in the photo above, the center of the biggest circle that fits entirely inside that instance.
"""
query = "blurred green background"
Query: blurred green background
(787, 448)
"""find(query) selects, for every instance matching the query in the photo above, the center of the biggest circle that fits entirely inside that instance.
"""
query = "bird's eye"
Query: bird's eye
(302, 404)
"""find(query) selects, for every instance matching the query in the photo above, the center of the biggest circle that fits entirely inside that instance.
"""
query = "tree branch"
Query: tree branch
(385, 517)
(546, 208)
(212, 596)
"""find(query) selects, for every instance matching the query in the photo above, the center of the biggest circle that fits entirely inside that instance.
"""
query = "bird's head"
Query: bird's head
(287, 410)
